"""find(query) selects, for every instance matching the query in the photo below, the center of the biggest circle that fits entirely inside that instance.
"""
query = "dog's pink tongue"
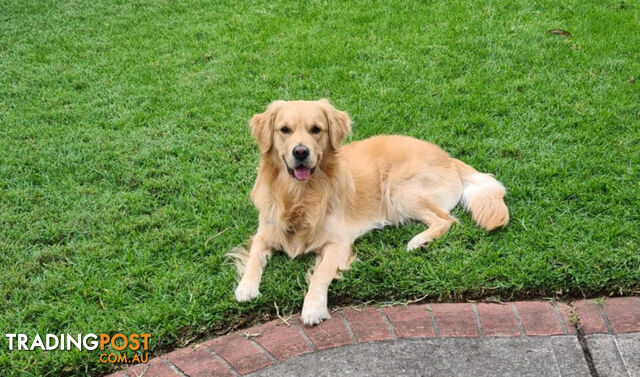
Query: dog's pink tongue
(302, 173)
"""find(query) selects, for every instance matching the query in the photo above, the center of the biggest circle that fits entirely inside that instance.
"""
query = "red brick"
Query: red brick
(497, 319)
(157, 368)
(368, 325)
(240, 353)
(198, 363)
(137, 370)
(591, 321)
(280, 340)
(455, 320)
(566, 311)
(411, 321)
(538, 318)
(330, 333)
(623, 313)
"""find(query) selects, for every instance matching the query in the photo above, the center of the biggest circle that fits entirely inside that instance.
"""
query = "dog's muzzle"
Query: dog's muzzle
(301, 171)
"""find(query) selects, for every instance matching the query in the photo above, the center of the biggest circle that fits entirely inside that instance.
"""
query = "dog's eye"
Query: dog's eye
(285, 129)
(315, 130)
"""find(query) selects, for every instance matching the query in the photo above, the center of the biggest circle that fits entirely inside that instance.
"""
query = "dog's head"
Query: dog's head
(299, 133)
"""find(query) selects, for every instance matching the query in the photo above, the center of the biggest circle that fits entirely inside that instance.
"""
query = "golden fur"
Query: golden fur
(352, 189)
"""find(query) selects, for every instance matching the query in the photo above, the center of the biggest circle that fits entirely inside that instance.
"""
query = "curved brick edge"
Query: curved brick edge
(258, 347)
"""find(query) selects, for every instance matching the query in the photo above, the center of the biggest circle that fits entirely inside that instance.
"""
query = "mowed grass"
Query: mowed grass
(126, 161)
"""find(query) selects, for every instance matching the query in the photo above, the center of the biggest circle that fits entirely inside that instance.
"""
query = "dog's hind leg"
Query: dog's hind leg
(334, 257)
(438, 221)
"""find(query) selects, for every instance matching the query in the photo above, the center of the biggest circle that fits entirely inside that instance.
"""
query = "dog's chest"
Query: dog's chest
(297, 230)
(295, 244)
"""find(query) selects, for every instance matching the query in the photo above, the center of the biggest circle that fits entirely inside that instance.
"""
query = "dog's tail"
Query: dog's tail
(483, 196)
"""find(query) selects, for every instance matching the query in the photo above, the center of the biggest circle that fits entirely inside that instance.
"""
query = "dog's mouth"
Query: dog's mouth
(301, 172)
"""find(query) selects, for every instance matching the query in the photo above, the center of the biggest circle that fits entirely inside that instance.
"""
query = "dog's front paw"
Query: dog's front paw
(314, 313)
(246, 292)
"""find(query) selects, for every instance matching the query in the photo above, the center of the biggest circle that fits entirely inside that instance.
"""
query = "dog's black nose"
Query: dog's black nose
(300, 152)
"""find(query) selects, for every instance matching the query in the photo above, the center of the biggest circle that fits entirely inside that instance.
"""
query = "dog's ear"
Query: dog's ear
(339, 124)
(262, 126)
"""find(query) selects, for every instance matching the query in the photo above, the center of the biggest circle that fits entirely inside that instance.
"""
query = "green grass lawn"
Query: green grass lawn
(126, 160)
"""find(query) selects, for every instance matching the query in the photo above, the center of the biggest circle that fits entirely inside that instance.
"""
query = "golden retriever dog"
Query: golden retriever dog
(315, 195)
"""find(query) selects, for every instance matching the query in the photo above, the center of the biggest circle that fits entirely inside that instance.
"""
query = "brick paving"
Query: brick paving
(368, 325)
(264, 345)
(331, 333)
(498, 320)
(411, 321)
(538, 318)
(455, 320)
